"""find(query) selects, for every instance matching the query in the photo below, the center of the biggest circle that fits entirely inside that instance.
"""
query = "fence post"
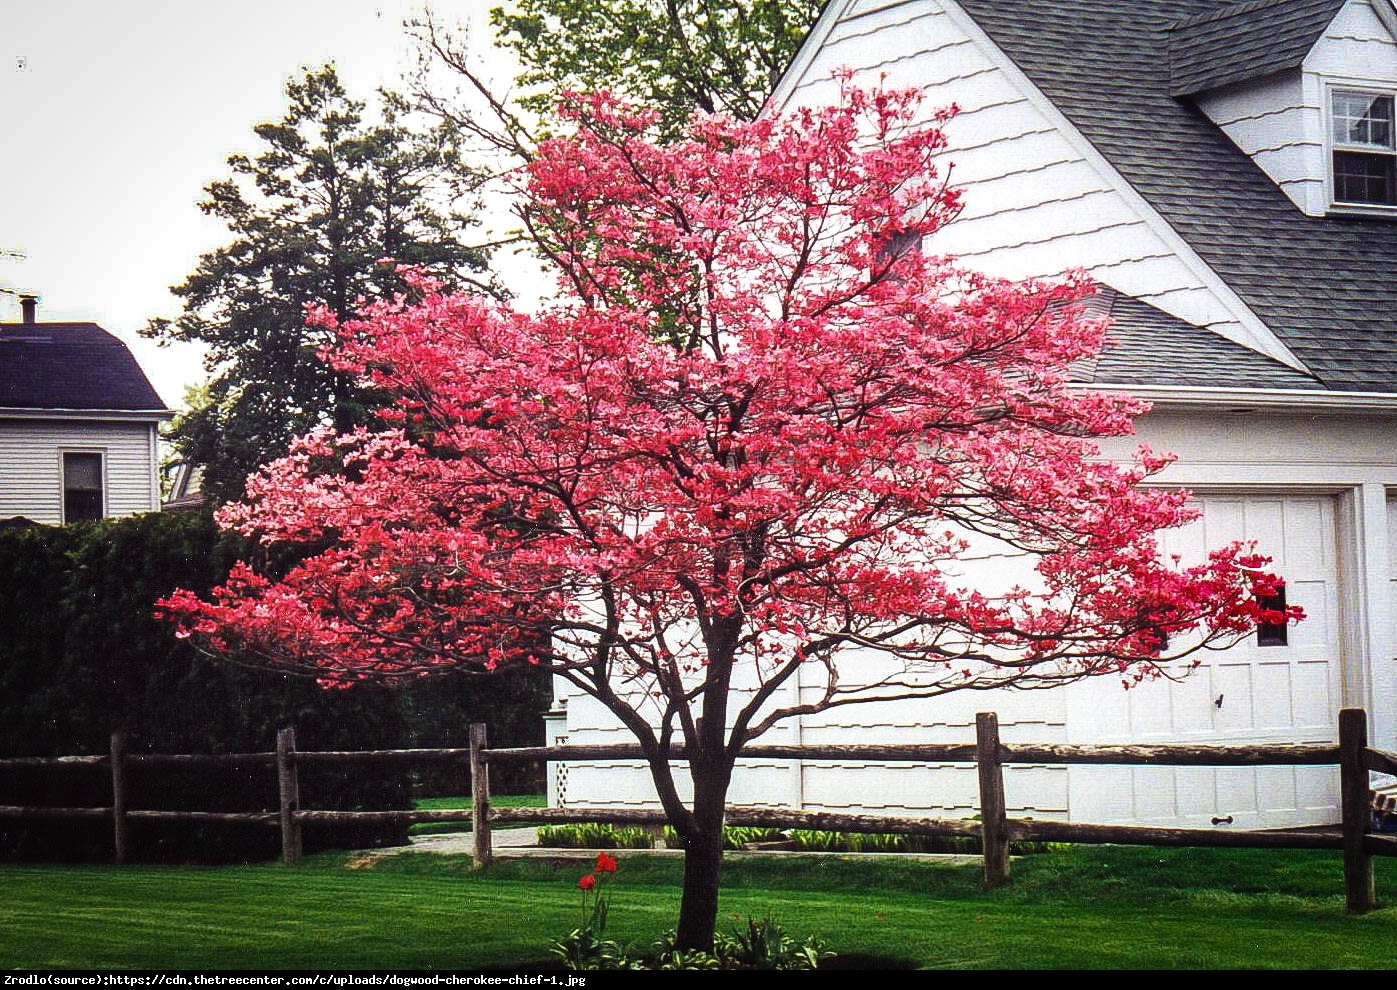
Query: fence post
(1359, 889)
(120, 833)
(289, 790)
(480, 798)
(992, 807)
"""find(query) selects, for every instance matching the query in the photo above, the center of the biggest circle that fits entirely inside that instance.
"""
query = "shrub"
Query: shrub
(82, 655)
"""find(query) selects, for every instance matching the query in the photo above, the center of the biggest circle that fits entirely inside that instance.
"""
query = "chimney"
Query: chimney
(28, 304)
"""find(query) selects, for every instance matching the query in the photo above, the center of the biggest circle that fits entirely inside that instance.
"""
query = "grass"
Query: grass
(498, 800)
(1103, 907)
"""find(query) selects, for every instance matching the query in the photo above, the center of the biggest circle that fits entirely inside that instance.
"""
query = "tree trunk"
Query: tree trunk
(703, 861)
(698, 908)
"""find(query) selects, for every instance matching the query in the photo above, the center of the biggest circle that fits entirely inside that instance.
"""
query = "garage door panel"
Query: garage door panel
(1186, 543)
(1192, 705)
(1155, 799)
(1272, 698)
(1222, 515)
(1232, 693)
(1151, 705)
(1263, 520)
(1314, 787)
(1275, 787)
(1316, 633)
(1197, 792)
(1245, 694)
(1314, 702)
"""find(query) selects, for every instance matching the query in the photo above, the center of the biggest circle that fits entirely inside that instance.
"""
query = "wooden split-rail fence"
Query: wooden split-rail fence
(1354, 837)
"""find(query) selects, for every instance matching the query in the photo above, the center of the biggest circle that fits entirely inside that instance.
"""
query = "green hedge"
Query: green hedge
(82, 656)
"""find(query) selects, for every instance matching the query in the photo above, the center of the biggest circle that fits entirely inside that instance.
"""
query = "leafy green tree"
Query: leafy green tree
(674, 55)
(331, 194)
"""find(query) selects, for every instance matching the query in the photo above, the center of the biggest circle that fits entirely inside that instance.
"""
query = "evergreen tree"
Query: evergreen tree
(332, 193)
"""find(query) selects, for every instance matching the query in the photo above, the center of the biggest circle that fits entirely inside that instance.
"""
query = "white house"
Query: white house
(78, 423)
(1228, 173)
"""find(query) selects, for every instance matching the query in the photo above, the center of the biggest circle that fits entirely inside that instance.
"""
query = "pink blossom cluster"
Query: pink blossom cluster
(751, 434)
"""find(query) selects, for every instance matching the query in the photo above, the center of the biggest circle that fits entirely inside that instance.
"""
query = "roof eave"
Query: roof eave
(139, 415)
(1201, 397)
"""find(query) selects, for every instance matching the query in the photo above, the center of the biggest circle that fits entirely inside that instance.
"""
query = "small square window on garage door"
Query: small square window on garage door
(83, 493)
(1273, 633)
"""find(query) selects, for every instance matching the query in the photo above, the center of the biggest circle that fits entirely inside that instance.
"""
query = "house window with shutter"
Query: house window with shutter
(84, 496)
(1364, 148)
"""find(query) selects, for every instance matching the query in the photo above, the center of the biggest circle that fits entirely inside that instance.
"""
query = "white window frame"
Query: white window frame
(1331, 89)
(63, 453)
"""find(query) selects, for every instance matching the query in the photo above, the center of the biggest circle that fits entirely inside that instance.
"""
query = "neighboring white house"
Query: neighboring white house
(78, 423)
(1228, 173)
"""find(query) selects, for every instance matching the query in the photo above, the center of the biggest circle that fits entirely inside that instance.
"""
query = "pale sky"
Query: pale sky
(115, 115)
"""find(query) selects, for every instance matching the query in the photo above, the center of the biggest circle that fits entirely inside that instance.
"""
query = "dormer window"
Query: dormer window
(1365, 155)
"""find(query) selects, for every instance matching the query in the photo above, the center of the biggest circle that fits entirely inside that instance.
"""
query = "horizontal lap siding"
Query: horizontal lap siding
(1034, 206)
(1280, 127)
(31, 474)
(1356, 47)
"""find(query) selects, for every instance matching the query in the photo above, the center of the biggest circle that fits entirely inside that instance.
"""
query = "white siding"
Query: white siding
(1305, 468)
(1038, 201)
(1281, 128)
(1356, 47)
(31, 482)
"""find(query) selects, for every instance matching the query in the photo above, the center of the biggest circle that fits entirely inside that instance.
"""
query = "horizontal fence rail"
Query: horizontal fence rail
(995, 830)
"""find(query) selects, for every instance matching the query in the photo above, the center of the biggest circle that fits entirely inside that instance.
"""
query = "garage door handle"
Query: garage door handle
(1223, 821)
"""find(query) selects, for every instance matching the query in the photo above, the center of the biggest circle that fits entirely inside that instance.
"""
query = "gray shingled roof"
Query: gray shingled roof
(1147, 346)
(70, 366)
(1245, 41)
(1326, 286)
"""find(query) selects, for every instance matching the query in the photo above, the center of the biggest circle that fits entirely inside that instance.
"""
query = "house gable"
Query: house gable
(1040, 198)
(1323, 285)
(1273, 97)
(72, 395)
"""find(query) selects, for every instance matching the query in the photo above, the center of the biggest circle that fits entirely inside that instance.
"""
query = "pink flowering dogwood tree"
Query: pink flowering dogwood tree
(754, 438)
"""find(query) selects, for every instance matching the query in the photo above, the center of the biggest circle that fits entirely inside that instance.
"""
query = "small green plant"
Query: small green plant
(594, 835)
(587, 947)
(765, 945)
(762, 945)
(734, 836)
(664, 954)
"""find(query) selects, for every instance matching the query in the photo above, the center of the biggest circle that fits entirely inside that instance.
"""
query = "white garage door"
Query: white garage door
(1257, 691)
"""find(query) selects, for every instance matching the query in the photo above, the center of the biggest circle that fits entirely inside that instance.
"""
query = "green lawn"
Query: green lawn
(1086, 907)
(497, 800)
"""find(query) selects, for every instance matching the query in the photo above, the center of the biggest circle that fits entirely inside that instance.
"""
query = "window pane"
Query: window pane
(82, 487)
(1273, 633)
(1363, 119)
(82, 471)
(80, 505)
(1365, 178)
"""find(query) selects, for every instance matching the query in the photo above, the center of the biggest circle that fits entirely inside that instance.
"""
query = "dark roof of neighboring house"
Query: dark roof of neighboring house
(1147, 346)
(1326, 286)
(70, 366)
(1245, 41)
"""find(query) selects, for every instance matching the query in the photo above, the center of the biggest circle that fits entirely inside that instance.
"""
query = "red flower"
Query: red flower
(605, 863)
(587, 882)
